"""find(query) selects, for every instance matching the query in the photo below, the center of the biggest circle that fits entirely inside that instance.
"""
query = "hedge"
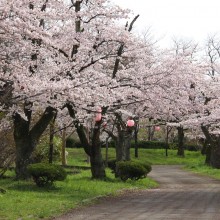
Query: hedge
(132, 170)
(71, 143)
(45, 174)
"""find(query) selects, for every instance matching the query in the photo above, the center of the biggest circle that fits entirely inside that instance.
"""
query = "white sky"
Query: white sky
(190, 19)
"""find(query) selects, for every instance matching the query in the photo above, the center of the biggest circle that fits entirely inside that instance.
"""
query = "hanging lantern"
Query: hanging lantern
(99, 110)
(157, 128)
(130, 123)
(98, 117)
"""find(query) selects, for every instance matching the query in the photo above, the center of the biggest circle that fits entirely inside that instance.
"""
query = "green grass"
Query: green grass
(23, 200)
(77, 157)
(26, 201)
(157, 156)
(204, 170)
(193, 161)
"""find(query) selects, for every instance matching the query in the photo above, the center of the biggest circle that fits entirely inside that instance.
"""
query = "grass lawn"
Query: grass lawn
(23, 200)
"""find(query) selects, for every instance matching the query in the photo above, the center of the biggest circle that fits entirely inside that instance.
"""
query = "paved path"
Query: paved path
(181, 195)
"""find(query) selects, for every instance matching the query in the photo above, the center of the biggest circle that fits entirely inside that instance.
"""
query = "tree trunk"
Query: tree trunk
(215, 157)
(24, 146)
(97, 163)
(180, 141)
(26, 140)
(51, 144)
(208, 153)
(63, 152)
(208, 145)
(118, 146)
(167, 140)
(94, 149)
(150, 133)
(215, 153)
(123, 145)
(127, 145)
(135, 141)
(106, 152)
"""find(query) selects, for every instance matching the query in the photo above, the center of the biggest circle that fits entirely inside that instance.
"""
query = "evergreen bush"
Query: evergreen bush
(150, 144)
(45, 174)
(131, 170)
(112, 164)
(70, 142)
(147, 166)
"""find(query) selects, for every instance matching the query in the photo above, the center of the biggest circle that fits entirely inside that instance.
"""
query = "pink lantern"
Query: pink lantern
(157, 128)
(130, 123)
(99, 110)
(98, 117)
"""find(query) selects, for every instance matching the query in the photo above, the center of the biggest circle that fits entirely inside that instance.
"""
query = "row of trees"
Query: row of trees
(72, 61)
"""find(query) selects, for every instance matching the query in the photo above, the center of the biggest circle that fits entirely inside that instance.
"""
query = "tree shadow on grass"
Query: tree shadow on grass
(29, 186)
(90, 179)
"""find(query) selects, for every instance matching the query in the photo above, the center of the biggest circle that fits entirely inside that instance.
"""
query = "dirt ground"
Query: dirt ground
(181, 195)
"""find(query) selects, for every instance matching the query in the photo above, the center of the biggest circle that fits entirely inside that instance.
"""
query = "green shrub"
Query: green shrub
(147, 166)
(150, 144)
(111, 144)
(131, 170)
(173, 146)
(189, 147)
(70, 142)
(192, 147)
(45, 174)
(112, 164)
(78, 144)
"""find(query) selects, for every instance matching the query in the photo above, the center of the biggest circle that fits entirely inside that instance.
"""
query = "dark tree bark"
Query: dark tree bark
(118, 145)
(63, 150)
(215, 154)
(168, 130)
(212, 149)
(136, 141)
(26, 139)
(6, 93)
(80, 130)
(208, 155)
(123, 145)
(127, 145)
(123, 140)
(121, 48)
(180, 151)
(51, 138)
(150, 133)
(92, 149)
(97, 163)
(207, 148)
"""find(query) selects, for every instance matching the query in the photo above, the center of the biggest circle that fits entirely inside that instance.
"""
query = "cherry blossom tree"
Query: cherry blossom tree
(172, 99)
(59, 49)
(207, 115)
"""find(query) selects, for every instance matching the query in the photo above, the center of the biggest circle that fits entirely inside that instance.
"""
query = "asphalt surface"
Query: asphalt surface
(181, 195)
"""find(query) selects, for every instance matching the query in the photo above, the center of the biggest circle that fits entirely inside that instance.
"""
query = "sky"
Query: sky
(167, 19)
